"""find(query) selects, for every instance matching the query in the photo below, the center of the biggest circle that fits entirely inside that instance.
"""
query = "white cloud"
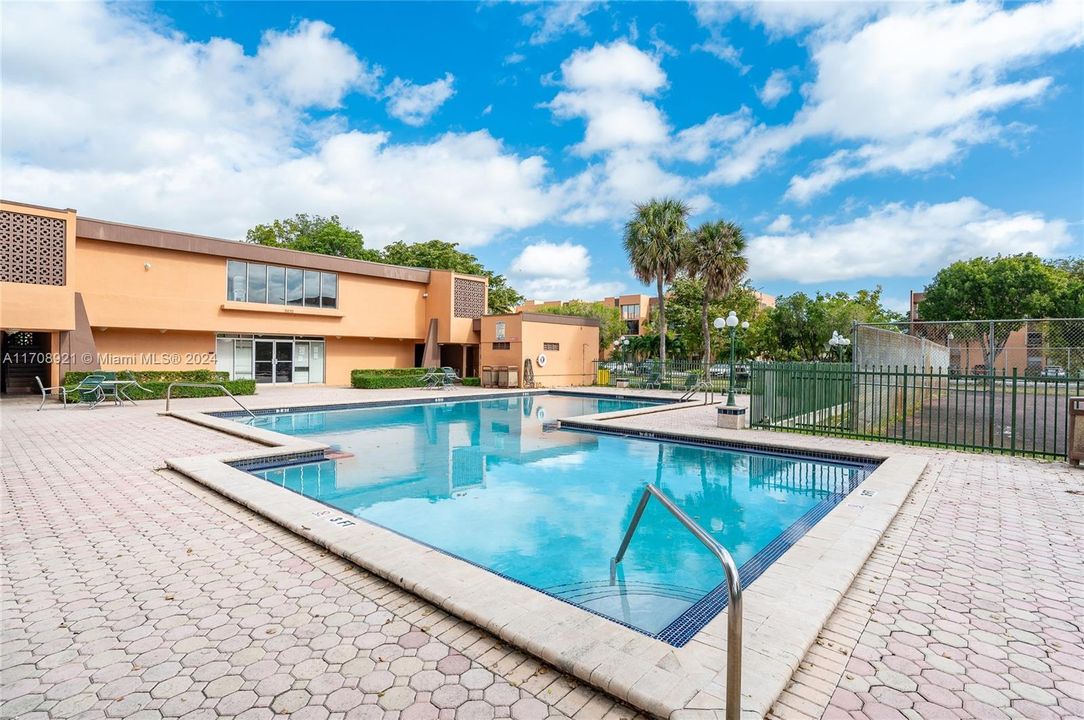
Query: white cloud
(914, 88)
(311, 68)
(897, 240)
(163, 130)
(701, 142)
(776, 87)
(554, 19)
(550, 271)
(514, 58)
(415, 104)
(781, 224)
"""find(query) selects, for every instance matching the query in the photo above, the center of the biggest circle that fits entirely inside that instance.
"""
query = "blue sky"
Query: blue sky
(857, 143)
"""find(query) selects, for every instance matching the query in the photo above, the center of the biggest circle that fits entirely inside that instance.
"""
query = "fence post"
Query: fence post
(1012, 439)
(903, 414)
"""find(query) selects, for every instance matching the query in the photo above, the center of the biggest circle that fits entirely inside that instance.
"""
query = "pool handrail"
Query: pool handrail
(169, 392)
(733, 587)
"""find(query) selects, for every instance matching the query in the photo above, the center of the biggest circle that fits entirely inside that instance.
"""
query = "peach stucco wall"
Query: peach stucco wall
(187, 291)
(572, 364)
(440, 305)
(41, 308)
(121, 349)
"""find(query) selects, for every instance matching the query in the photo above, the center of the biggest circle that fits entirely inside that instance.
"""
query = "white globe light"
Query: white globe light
(732, 319)
(745, 325)
(719, 323)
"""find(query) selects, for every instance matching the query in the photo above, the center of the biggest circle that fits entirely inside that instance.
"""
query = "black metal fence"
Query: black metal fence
(1003, 411)
(674, 375)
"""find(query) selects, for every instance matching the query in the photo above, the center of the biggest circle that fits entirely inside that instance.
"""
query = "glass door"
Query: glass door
(301, 361)
(284, 361)
(265, 361)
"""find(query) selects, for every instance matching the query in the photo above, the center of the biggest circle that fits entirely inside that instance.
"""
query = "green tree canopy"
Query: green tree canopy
(315, 234)
(799, 326)
(715, 254)
(441, 255)
(686, 306)
(1006, 287)
(611, 326)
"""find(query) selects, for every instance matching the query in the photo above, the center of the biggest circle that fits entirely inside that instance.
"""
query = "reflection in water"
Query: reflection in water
(485, 481)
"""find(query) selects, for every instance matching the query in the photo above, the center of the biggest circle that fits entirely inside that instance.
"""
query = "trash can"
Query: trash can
(502, 376)
(513, 377)
(488, 379)
(603, 376)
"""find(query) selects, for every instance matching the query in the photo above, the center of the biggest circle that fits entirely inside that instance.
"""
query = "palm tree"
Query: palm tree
(654, 238)
(715, 254)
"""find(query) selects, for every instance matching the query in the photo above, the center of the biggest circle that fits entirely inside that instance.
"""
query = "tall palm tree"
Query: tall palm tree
(715, 254)
(654, 239)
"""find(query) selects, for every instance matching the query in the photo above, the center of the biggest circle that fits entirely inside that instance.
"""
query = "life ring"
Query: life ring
(540, 414)
(541, 360)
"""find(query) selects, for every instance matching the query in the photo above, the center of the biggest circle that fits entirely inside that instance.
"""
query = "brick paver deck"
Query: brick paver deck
(972, 606)
(130, 592)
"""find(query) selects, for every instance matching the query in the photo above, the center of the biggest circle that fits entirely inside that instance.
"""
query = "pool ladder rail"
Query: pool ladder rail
(733, 588)
(703, 386)
(169, 393)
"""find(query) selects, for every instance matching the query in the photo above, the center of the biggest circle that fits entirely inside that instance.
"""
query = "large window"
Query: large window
(630, 312)
(277, 285)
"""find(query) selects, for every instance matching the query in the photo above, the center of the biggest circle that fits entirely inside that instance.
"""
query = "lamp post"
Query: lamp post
(731, 321)
(839, 342)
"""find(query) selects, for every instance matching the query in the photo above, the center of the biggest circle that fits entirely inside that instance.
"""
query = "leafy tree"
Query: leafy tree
(441, 255)
(799, 326)
(653, 240)
(685, 309)
(315, 234)
(715, 254)
(1006, 287)
(611, 326)
(1070, 304)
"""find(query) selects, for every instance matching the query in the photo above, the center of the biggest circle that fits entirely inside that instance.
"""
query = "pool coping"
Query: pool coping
(683, 683)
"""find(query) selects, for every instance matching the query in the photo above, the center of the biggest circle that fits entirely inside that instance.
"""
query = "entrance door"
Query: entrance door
(23, 356)
(274, 361)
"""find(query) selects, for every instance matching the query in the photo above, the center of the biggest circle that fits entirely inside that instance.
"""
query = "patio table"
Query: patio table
(119, 387)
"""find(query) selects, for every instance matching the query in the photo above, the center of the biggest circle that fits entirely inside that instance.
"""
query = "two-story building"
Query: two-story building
(79, 294)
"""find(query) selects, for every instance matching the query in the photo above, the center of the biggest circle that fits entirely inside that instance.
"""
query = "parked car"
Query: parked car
(719, 370)
(1053, 371)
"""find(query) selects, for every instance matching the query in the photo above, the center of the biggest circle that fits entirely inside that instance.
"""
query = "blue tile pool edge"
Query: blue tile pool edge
(685, 627)
(328, 407)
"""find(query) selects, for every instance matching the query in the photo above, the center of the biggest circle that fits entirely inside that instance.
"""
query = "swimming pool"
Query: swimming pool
(491, 482)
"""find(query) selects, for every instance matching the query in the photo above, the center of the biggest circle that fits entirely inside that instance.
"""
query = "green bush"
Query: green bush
(371, 381)
(472, 382)
(157, 382)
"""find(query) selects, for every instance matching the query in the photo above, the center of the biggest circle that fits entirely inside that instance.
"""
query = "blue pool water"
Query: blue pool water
(487, 482)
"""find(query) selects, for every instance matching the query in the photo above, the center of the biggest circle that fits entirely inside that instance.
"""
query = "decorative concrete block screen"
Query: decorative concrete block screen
(32, 249)
(469, 298)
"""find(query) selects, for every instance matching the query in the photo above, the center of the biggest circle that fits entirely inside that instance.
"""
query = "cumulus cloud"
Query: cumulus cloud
(415, 104)
(914, 88)
(898, 240)
(552, 20)
(781, 224)
(776, 87)
(163, 130)
(550, 271)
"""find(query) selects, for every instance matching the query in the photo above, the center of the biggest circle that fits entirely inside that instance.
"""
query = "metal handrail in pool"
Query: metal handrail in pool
(733, 588)
(169, 391)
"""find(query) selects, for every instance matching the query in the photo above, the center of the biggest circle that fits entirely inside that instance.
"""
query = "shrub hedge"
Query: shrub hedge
(395, 378)
(157, 382)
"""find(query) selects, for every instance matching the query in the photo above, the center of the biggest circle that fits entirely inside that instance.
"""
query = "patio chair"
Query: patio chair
(46, 391)
(90, 390)
(691, 381)
(432, 378)
(449, 377)
(654, 381)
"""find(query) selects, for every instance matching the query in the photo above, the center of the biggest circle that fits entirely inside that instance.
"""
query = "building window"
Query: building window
(277, 285)
(502, 346)
(630, 312)
(551, 346)
(500, 329)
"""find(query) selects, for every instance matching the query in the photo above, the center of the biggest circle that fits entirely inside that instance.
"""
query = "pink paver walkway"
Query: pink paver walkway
(973, 606)
(130, 592)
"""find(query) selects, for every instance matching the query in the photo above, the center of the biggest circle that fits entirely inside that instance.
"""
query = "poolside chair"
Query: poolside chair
(654, 381)
(691, 381)
(431, 378)
(46, 391)
(449, 378)
(90, 390)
